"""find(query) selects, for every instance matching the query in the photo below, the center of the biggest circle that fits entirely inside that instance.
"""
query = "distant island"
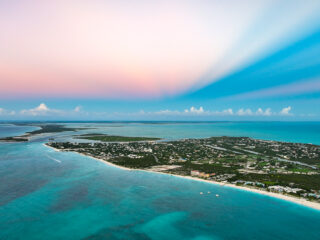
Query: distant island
(44, 128)
(275, 167)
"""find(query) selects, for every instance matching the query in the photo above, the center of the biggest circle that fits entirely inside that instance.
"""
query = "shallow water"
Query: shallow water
(46, 194)
(10, 130)
(303, 132)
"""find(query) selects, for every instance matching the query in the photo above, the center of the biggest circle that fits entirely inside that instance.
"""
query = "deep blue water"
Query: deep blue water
(46, 194)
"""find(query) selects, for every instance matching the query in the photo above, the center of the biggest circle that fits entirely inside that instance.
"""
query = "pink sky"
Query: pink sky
(119, 49)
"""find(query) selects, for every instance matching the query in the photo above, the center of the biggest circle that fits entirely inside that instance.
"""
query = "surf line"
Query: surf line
(53, 159)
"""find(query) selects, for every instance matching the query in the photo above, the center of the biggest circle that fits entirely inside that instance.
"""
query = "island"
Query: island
(278, 167)
(44, 128)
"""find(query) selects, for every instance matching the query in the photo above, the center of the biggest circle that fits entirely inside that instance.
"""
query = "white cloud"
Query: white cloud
(286, 111)
(41, 110)
(186, 112)
(42, 107)
(228, 111)
(225, 112)
(199, 112)
(246, 112)
(267, 112)
(77, 109)
(44, 110)
(168, 112)
(194, 110)
(259, 111)
(6, 112)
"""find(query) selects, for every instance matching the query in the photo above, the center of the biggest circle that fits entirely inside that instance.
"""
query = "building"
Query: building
(195, 173)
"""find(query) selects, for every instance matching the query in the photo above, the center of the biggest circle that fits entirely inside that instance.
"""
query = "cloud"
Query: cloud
(195, 110)
(167, 112)
(42, 107)
(242, 112)
(41, 110)
(286, 111)
(267, 112)
(6, 112)
(44, 110)
(77, 109)
(226, 112)
(191, 111)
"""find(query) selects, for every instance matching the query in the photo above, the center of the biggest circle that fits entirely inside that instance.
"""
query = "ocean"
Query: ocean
(10, 130)
(46, 194)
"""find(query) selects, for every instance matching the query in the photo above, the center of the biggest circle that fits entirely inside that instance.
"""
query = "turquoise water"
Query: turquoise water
(57, 195)
(9, 130)
(304, 132)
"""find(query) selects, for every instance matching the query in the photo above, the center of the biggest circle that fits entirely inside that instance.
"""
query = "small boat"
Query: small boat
(201, 193)
(217, 195)
(209, 192)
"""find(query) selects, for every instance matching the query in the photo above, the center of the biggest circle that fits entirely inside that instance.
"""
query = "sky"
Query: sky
(160, 60)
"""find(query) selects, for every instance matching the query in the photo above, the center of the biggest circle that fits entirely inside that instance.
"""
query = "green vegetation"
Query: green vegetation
(14, 139)
(143, 162)
(52, 128)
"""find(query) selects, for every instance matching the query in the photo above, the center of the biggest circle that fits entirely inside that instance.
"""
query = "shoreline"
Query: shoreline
(300, 201)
